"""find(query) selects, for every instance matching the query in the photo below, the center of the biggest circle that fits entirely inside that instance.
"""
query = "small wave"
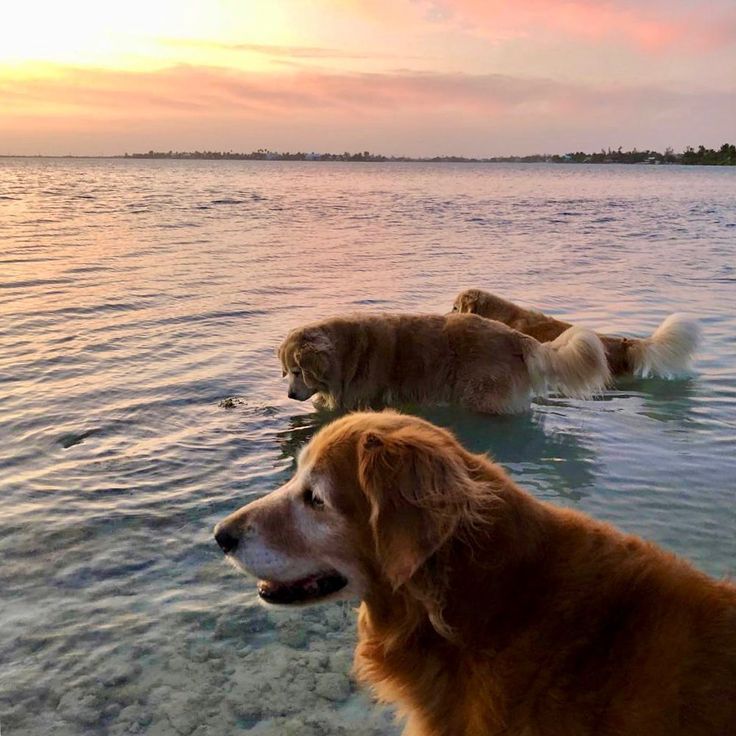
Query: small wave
(372, 302)
(30, 283)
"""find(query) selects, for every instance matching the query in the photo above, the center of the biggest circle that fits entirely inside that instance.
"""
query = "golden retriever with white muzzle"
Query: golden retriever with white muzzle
(666, 353)
(486, 612)
(374, 360)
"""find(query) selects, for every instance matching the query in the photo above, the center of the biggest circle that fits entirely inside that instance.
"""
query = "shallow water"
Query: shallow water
(136, 295)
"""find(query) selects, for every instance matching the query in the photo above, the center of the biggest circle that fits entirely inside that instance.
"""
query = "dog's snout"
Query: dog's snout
(292, 394)
(225, 538)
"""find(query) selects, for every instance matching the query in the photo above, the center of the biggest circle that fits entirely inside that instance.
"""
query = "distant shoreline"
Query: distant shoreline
(725, 156)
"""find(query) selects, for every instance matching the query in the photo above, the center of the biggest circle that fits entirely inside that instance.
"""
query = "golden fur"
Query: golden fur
(486, 612)
(371, 360)
(666, 353)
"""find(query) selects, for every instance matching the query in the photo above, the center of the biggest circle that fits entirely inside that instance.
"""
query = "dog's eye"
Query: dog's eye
(311, 500)
(454, 309)
(296, 371)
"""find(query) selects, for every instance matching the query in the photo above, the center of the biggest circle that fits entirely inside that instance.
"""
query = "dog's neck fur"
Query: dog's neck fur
(477, 612)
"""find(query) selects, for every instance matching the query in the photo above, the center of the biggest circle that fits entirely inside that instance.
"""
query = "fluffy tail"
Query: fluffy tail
(574, 364)
(667, 353)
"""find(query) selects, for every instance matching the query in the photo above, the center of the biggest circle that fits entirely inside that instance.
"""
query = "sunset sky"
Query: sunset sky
(417, 77)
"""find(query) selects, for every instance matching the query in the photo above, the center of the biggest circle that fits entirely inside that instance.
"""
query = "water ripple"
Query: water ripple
(138, 296)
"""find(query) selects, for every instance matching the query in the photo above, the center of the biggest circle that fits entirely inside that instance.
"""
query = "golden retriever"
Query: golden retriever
(486, 612)
(666, 353)
(373, 360)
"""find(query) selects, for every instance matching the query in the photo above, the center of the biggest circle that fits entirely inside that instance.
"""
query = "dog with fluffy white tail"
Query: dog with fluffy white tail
(667, 353)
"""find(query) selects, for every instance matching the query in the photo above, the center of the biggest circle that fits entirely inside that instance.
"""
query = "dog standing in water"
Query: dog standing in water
(373, 360)
(486, 612)
(667, 353)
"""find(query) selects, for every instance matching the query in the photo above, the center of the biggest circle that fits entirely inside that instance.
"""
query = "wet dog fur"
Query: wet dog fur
(373, 360)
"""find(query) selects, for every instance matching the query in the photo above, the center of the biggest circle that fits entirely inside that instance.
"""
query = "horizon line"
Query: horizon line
(725, 155)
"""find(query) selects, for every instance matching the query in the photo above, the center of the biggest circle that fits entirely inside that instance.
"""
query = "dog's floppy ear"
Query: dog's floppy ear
(417, 487)
(314, 362)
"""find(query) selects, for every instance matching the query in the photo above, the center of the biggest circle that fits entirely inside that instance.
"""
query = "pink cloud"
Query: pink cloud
(648, 25)
(400, 112)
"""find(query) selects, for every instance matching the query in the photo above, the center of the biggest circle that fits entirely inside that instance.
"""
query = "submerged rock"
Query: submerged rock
(230, 402)
(333, 686)
(293, 634)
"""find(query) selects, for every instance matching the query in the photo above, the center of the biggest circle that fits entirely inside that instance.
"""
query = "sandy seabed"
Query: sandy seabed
(253, 670)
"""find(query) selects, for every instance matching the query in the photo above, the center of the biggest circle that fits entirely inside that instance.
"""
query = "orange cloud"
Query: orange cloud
(204, 91)
(274, 50)
(400, 112)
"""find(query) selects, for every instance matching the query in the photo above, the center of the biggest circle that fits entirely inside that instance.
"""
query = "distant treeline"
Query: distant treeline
(724, 156)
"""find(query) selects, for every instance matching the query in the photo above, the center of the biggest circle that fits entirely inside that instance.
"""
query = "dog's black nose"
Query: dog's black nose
(292, 395)
(227, 541)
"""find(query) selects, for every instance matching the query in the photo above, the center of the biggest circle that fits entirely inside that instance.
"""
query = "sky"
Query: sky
(399, 77)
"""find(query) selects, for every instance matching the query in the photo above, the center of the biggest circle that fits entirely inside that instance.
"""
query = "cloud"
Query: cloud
(653, 26)
(426, 113)
(272, 50)
(649, 26)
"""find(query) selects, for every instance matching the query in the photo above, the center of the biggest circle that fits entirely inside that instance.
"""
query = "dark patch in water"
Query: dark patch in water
(231, 402)
(371, 301)
(73, 438)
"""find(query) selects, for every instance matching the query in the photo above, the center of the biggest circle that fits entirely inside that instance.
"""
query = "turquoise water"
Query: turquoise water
(136, 295)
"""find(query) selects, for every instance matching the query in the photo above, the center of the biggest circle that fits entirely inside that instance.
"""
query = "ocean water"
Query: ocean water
(135, 296)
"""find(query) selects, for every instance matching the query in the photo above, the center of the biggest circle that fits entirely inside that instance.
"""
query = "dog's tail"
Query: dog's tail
(574, 364)
(668, 352)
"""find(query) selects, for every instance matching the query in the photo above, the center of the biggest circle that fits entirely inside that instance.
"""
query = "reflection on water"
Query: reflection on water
(301, 428)
(137, 296)
(559, 457)
(555, 454)
(664, 401)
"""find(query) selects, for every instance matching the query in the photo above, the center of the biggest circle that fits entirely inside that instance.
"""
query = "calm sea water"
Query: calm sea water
(136, 295)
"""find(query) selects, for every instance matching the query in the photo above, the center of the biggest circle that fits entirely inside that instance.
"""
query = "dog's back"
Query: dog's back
(645, 644)
(395, 358)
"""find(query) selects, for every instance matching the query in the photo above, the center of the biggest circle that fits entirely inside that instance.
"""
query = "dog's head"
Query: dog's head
(306, 358)
(468, 301)
(374, 497)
